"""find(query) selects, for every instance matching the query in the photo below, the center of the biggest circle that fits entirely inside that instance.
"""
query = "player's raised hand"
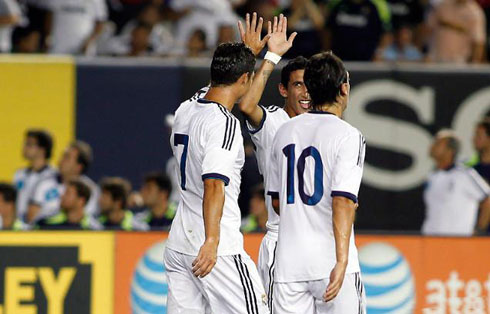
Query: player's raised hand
(205, 260)
(278, 42)
(336, 279)
(251, 33)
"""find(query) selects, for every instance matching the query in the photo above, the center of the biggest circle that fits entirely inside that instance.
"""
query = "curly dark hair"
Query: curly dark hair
(230, 62)
(324, 75)
(298, 63)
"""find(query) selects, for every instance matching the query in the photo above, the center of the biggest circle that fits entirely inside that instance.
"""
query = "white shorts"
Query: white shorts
(232, 287)
(267, 257)
(306, 297)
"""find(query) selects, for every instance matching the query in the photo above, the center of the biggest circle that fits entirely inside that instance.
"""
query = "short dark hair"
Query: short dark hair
(118, 188)
(84, 154)
(298, 63)
(453, 142)
(43, 139)
(8, 192)
(324, 75)
(230, 62)
(83, 190)
(485, 124)
(161, 180)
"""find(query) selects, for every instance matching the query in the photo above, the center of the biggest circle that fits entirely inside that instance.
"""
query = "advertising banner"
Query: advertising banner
(56, 273)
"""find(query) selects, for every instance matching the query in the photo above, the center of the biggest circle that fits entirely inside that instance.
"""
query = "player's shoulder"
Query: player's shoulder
(53, 180)
(21, 173)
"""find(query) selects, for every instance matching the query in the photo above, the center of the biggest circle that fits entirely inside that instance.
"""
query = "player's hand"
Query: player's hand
(278, 42)
(251, 33)
(205, 260)
(336, 279)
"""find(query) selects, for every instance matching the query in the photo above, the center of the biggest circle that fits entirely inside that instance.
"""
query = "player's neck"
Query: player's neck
(485, 156)
(334, 108)
(444, 163)
(224, 96)
(38, 163)
(75, 216)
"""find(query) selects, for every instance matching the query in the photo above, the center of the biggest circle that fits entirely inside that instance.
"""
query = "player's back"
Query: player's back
(315, 155)
(207, 143)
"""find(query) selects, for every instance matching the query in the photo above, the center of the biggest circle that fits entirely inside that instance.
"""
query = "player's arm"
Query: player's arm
(32, 212)
(277, 43)
(484, 217)
(214, 199)
(343, 213)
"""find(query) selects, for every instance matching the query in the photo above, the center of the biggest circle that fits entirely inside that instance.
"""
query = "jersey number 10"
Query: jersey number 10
(307, 152)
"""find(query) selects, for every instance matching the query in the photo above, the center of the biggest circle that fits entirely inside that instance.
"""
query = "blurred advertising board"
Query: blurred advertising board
(401, 274)
(56, 273)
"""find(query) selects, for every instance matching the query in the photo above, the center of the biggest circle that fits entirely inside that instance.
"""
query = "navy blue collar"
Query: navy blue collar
(320, 112)
(207, 101)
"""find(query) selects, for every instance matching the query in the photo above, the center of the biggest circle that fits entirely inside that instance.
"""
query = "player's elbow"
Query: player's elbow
(275, 205)
(343, 203)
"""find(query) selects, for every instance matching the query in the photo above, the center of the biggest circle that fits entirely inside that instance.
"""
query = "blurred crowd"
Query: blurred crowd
(448, 31)
(42, 197)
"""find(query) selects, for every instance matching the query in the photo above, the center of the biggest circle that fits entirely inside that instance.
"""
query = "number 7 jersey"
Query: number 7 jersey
(207, 143)
(314, 157)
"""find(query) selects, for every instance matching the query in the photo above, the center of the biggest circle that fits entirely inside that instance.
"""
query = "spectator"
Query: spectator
(8, 217)
(407, 12)
(27, 40)
(307, 18)
(160, 211)
(72, 216)
(76, 25)
(196, 47)
(140, 41)
(357, 30)
(74, 164)
(257, 219)
(10, 15)
(454, 193)
(113, 204)
(402, 48)
(458, 32)
(37, 150)
(481, 142)
(226, 34)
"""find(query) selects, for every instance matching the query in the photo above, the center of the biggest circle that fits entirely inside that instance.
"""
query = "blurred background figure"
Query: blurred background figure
(257, 219)
(8, 216)
(458, 32)
(159, 211)
(357, 30)
(27, 40)
(481, 142)
(10, 16)
(114, 214)
(73, 164)
(72, 215)
(402, 49)
(75, 25)
(38, 145)
(454, 194)
(196, 47)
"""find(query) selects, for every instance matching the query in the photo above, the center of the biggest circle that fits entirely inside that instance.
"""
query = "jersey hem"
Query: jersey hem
(348, 195)
(218, 176)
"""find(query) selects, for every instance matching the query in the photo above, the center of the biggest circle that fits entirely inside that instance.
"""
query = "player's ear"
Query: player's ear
(283, 90)
(344, 89)
(243, 80)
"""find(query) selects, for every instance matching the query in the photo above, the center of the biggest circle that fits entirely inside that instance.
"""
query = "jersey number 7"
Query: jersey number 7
(318, 177)
(182, 139)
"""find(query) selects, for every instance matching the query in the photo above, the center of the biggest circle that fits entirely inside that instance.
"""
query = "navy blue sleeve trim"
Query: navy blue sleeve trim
(274, 195)
(261, 124)
(218, 176)
(348, 195)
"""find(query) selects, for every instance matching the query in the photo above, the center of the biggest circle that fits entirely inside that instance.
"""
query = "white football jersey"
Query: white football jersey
(47, 195)
(314, 157)
(26, 181)
(207, 142)
(452, 199)
(262, 136)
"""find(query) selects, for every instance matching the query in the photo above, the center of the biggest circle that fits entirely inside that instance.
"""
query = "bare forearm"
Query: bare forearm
(484, 217)
(343, 218)
(214, 199)
(478, 52)
(249, 102)
(8, 20)
(315, 14)
(32, 212)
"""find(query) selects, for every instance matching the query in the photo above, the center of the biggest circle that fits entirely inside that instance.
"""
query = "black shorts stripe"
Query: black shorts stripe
(247, 277)
(271, 278)
(246, 293)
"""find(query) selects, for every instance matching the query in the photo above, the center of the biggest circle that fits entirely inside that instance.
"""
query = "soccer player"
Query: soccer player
(8, 218)
(37, 151)
(206, 264)
(72, 216)
(73, 165)
(316, 168)
(262, 124)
